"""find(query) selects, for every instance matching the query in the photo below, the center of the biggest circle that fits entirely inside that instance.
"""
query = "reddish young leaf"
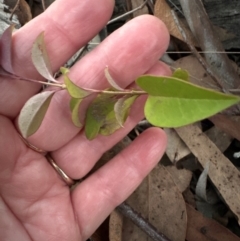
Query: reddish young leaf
(40, 58)
(5, 49)
(33, 112)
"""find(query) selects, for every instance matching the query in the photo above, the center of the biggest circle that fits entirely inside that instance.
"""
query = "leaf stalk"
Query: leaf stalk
(63, 86)
(113, 92)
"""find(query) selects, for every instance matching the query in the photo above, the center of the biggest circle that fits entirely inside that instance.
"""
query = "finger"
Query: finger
(37, 199)
(99, 194)
(79, 156)
(129, 52)
(67, 25)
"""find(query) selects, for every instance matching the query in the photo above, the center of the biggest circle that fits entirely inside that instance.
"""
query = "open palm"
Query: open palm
(35, 203)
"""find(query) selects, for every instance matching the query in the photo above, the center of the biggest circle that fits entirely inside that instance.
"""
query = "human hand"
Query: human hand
(35, 203)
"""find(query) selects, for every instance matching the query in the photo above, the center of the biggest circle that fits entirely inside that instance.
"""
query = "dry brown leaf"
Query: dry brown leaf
(115, 226)
(139, 201)
(163, 12)
(166, 205)
(198, 74)
(224, 175)
(229, 124)
(177, 149)
(205, 229)
(21, 15)
(101, 234)
(181, 177)
(220, 138)
(189, 197)
(201, 27)
(159, 200)
(22, 12)
(223, 34)
(37, 7)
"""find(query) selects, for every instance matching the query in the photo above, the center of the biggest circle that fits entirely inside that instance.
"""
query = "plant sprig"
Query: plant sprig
(171, 101)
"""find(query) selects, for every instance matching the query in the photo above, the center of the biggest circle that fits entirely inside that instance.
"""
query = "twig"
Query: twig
(14, 9)
(140, 222)
(128, 13)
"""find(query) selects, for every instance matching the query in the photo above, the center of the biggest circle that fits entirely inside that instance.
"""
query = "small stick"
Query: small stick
(142, 223)
(14, 9)
(128, 13)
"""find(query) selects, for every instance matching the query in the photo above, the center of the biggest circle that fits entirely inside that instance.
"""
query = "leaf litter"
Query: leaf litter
(164, 209)
(224, 175)
(198, 227)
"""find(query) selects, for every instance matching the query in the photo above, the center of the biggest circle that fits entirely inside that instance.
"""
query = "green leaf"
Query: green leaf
(174, 102)
(181, 74)
(100, 117)
(122, 108)
(40, 58)
(92, 127)
(74, 90)
(74, 107)
(33, 112)
(64, 70)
